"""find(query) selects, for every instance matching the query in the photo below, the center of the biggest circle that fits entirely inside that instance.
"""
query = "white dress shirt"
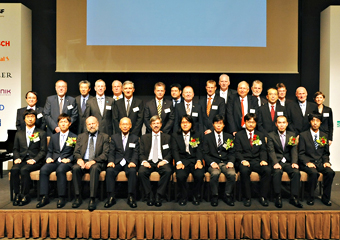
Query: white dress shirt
(186, 105)
(159, 146)
(224, 94)
(101, 103)
(303, 107)
(62, 140)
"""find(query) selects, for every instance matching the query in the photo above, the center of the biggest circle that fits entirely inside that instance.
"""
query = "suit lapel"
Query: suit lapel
(278, 141)
(97, 106)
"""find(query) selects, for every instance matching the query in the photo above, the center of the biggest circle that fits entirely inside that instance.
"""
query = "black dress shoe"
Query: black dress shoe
(16, 200)
(92, 205)
(278, 202)
(158, 200)
(25, 200)
(195, 200)
(77, 202)
(326, 202)
(182, 202)
(295, 202)
(61, 202)
(263, 202)
(149, 201)
(228, 199)
(43, 201)
(110, 202)
(310, 201)
(247, 202)
(214, 201)
(131, 202)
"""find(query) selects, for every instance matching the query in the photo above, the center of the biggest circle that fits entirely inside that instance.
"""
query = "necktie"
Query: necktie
(124, 142)
(209, 106)
(315, 142)
(83, 106)
(91, 149)
(219, 143)
(242, 109)
(61, 106)
(128, 107)
(272, 113)
(251, 139)
(188, 109)
(159, 108)
(283, 141)
(117, 98)
(187, 144)
(155, 150)
(61, 141)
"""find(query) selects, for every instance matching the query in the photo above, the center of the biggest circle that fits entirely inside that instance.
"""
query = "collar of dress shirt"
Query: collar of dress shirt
(130, 100)
(224, 92)
(216, 135)
(280, 134)
(86, 98)
(154, 134)
(253, 132)
(61, 98)
(30, 130)
(65, 134)
(185, 104)
(100, 97)
(159, 100)
(212, 97)
(313, 134)
(120, 96)
(302, 104)
(95, 134)
(126, 136)
(244, 99)
(184, 135)
(34, 107)
(177, 100)
(270, 106)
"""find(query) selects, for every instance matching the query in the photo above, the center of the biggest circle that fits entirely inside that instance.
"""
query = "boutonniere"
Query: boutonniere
(256, 140)
(322, 141)
(194, 142)
(34, 137)
(228, 144)
(71, 141)
(292, 141)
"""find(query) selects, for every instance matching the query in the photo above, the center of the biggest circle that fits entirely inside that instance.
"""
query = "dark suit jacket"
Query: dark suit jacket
(105, 121)
(245, 152)
(230, 92)
(275, 151)
(145, 147)
(286, 102)
(327, 122)
(307, 151)
(296, 121)
(180, 111)
(216, 102)
(211, 153)
(54, 151)
(178, 149)
(136, 115)
(39, 123)
(51, 112)
(234, 111)
(102, 147)
(81, 115)
(262, 100)
(168, 117)
(265, 123)
(117, 152)
(35, 150)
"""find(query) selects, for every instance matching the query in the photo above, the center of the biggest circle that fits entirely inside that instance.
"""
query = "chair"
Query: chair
(8, 146)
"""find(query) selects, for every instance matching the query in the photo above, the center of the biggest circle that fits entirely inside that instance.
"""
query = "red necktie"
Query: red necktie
(242, 108)
(251, 139)
(272, 113)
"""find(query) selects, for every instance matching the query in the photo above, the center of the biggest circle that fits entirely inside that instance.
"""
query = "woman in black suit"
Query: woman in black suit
(327, 116)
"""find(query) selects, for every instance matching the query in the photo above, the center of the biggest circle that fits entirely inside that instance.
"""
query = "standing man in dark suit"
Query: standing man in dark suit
(314, 159)
(31, 99)
(130, 107)
(219, 155)
(282, 91)
(238, 106)
(81, 100)
(91, 153)
(117, 90)
(176, 91)
(28, 153)
(282, 151)
(187, 107)
(298, 111)
(211, 105)
(257, 90)
(161, 107)
(268, 113)
(187, 151)
(224, 90)
(155, 155)
(251, 156)
(101, 107)
(60, 159)
(123, 156)
(58, 104)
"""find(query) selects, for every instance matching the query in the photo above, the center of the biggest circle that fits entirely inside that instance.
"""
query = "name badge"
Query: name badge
(36, 139)
(194, 114)
(252, 110)
(108, 107)
(214, 107)
(279, 113)
(326, 115)
(132, 145)
(136, 109)
(39, 115)
(167, 110)
(166, 146)
(69, 107)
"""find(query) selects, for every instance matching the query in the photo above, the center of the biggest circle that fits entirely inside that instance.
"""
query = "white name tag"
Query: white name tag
(279, 113)
(194, 114)
(136, 109)
(166, 146)
(252, 111)
(132, 145)
(69, 107)
(167, 110)
(39, 115)
(326, 115)
(214, 107)
(36, 139)
(108, 107)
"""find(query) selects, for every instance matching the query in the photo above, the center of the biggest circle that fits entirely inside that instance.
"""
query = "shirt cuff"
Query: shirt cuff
(212, 163)
(179, 162)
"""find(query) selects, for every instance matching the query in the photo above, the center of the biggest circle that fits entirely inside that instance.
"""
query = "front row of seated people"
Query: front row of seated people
(92, 152)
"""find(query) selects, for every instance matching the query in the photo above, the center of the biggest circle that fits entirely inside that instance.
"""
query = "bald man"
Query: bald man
(225, 91)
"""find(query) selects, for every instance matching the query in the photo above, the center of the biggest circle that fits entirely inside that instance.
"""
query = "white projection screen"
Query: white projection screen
(280, 55)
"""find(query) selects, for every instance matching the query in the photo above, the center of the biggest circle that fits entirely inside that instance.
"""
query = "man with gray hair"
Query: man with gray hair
(117, 90)
(225, 91)
(257, 90)
(81, 100)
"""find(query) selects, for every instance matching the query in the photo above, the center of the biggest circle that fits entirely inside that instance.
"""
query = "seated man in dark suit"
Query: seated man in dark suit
(314, 159)
(123, 156)
(91, 153)
(155, 155)
(219, 155)
(186, 149)
(282, 151)
(31, 99)
(60, 159)
(251, 156)
(29, 152)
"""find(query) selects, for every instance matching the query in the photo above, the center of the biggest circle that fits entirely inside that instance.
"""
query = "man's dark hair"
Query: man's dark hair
(281, 116)
(280, 85)
(314, 115)
(30, 111)
(36, 94)
(189, 119)
(177, 85)
(249, 116)
(218, 118)
(64, 115)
